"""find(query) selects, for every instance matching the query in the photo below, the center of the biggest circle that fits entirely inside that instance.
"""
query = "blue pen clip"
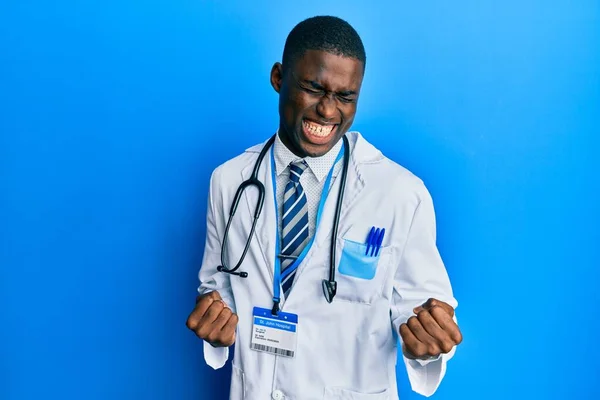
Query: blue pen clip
(369, 240)
(374, 241)
(380, 240)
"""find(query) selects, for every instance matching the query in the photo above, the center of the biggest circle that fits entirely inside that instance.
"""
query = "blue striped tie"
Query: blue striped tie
(294, 226)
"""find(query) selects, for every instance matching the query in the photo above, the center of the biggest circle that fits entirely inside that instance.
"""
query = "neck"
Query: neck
(288, 143)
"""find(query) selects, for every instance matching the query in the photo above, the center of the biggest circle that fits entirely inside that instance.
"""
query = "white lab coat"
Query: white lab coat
(346, 349)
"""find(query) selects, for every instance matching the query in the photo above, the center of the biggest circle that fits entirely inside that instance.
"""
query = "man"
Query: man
(389, 284)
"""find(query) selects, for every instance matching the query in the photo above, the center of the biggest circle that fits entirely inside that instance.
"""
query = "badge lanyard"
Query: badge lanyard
(277, 272)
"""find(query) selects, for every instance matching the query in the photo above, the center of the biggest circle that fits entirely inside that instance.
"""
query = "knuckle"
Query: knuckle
(214, 295)
(437, 310)
(457, 337)
(423, 314)
(215, 308)
(201, 333)
(231, 339)
(216, 339)
(214, 335)
(205, 298)
(226, 336)
(419, 350)
(202, 305)
(434, 302)
(433, 349)
(412, 322)
(191, 323)
(404, 331)
(234, 317)
(446, 346)
(226, 313)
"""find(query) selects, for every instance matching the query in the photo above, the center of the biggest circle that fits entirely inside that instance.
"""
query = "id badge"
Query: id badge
(275, 334)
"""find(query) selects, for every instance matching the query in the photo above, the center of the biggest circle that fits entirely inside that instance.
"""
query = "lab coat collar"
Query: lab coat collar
(361, 152)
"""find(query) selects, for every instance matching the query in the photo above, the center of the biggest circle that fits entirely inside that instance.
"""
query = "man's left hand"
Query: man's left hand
(431, 332)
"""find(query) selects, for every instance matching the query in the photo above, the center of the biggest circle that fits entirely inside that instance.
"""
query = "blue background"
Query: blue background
(113, 114)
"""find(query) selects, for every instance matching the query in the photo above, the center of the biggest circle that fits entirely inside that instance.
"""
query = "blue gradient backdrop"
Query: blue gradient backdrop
(113, 114)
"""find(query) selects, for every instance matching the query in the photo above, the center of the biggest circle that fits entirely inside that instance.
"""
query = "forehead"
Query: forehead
(330, 70)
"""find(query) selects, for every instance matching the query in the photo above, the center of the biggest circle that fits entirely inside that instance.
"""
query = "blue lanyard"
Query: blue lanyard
(277, 273)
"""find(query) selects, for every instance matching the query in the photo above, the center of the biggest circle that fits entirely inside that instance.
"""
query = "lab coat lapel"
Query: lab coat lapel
(265, 234)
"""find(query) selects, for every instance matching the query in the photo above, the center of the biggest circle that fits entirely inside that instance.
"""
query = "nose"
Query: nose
(326, 108)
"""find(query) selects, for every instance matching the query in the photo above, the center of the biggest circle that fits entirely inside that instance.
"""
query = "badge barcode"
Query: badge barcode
(281, 352)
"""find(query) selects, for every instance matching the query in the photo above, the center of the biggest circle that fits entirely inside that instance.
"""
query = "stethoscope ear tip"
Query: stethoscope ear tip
(329, 289)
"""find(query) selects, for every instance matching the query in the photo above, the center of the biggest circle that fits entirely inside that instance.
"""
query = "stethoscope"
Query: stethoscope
(330, 285)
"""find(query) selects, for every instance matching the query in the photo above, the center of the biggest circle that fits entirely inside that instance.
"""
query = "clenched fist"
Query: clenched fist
(213, 321)
(431, 332)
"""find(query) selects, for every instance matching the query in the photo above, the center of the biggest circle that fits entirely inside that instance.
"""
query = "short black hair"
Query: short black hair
(325, 33)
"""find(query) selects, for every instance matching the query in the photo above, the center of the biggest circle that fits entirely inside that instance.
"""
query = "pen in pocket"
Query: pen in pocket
(374, 241)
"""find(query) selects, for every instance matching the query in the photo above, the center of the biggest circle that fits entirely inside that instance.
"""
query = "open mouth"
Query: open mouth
(317, 133)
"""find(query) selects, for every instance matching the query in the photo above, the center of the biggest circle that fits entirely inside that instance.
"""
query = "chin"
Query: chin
(316, 150)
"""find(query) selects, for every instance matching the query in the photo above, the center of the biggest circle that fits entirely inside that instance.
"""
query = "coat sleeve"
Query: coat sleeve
(210, 278)
(421, 275)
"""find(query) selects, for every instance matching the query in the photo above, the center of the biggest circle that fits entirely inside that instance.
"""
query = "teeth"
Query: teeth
(318, 129)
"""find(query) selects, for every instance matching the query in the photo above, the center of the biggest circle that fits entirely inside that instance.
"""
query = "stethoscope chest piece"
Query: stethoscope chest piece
(329, 289)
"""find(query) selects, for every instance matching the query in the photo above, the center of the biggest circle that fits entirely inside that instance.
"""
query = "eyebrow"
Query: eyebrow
(317, 86)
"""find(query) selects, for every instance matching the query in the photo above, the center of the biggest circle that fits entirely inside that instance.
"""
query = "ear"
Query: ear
(277, 76)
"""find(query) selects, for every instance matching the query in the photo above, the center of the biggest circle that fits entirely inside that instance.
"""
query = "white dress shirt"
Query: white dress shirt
(312, 180)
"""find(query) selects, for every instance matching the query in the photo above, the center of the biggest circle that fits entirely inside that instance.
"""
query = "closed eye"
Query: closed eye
(346, 99)
(312, 87)
(312, 90)
(309, 90)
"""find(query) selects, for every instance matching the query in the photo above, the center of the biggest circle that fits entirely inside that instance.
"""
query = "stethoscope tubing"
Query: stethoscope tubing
(330, 284)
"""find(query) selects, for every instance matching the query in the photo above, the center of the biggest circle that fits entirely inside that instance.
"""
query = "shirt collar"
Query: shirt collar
(320, 166)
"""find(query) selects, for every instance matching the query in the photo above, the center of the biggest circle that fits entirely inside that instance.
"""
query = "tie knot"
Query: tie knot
(296, 170)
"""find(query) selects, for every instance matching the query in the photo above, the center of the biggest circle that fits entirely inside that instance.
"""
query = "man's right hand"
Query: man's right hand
(213, 321)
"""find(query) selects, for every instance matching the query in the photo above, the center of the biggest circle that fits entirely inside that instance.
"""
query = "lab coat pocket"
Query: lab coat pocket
(238, 388)
(336, 393)
(355, 262)
(360, 277)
